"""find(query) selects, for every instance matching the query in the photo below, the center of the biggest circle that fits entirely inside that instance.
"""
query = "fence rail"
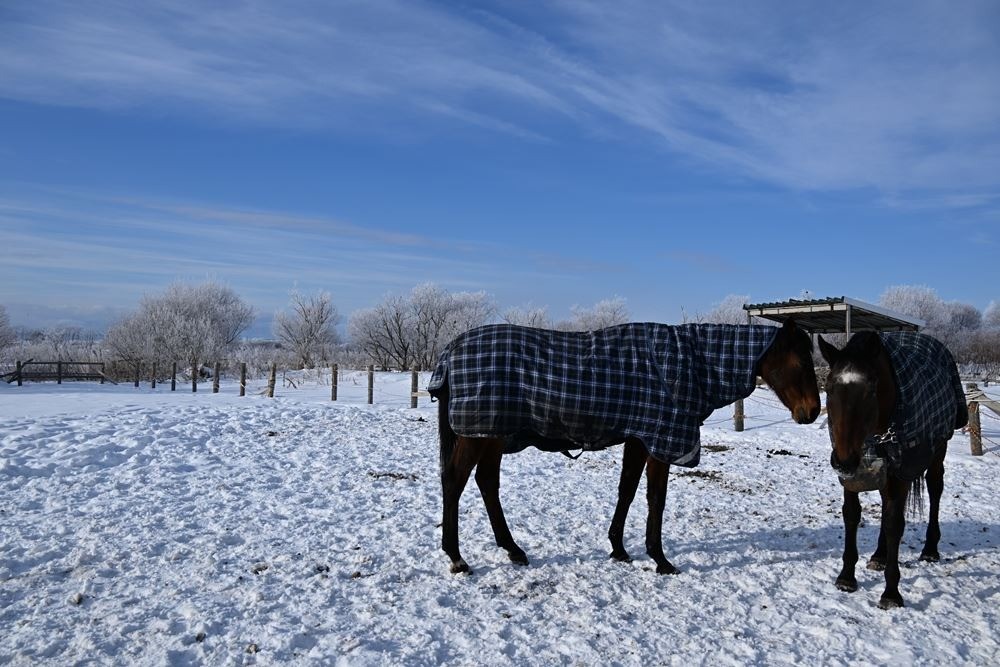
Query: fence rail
(95, 371)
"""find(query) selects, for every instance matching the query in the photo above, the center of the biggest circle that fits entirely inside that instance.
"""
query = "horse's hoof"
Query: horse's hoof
(518, 557)
(847, 585)
(877, 565)
(666, 568)
(460, 567)
(621, 556)
(890, 602)
(930, 557)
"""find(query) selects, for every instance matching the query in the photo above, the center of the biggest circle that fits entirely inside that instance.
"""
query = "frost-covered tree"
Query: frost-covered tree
(403, 332)
(918, 301)
(7, 336)
(605, 313)
(991, 316)
(188, 323)
(728, 311)
(528, 316)
(308, 329)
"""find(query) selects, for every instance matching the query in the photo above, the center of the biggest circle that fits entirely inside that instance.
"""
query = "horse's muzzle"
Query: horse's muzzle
(806, 416)
(844, 468)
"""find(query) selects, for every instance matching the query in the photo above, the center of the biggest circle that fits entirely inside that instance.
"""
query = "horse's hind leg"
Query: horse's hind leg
(454, 476)
(657, 473)
(633, 462)
(488, 480)
(935, 487)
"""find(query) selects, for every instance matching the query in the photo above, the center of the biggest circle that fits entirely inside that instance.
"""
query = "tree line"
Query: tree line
(206, 322)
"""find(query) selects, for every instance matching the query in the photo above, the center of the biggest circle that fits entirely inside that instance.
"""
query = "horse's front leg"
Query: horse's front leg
(454, 476)
(893, 522)
(488, 480)
(656, 495)
(846, 580)
(935, 487)
(633, 462)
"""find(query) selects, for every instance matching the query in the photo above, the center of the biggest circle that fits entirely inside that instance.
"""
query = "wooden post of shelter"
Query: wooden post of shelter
(414, 382)
(215, 377)
(58, 372)
(194, 377)
(371, 384)
(102, 372)
(17, 369)
(333, 382)
(975, 428)
(272, 379)
(152, 380)
(173, 377)
(138, 371)
(243, 378)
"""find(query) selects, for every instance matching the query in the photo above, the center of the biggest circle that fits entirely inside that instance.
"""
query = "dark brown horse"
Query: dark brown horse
(786, 366)
(863, 394)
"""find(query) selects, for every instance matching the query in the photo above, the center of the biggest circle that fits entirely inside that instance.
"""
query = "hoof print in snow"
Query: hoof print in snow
(356, 574)
(322, 569)
(252, 648)
(259, 568)
(76, 598)
(271, 434)
(200, 637)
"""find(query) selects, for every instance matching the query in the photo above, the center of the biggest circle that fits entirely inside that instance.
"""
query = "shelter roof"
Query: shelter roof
(838, 314)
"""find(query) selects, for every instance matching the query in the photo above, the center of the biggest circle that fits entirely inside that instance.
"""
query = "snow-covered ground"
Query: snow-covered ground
(150, 527)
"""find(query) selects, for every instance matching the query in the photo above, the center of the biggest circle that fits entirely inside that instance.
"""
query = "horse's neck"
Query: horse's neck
(886, 392)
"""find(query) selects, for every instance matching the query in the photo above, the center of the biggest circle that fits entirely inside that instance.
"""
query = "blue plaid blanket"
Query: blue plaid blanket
(929, 402)
(590, 390)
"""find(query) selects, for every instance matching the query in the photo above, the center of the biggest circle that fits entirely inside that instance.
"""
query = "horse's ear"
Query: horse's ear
(830, 353)
(789, 325)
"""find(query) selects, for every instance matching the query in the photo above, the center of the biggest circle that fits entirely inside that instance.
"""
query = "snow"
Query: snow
(148, 527)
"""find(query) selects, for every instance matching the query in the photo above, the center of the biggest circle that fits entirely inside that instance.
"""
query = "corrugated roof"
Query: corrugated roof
(830, 315)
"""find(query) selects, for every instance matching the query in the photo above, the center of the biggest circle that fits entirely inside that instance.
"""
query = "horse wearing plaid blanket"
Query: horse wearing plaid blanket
(650, 386)
(894, 400)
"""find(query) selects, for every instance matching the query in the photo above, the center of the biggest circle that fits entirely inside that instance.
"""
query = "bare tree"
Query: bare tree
(915, 300)
(605, 313)
(309, 330)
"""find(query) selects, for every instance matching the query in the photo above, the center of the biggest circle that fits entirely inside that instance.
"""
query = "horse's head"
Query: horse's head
(859, 396)
(787, 367)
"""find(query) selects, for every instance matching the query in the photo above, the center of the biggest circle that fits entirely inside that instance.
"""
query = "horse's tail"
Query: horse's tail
(445, 433)
(915, 503)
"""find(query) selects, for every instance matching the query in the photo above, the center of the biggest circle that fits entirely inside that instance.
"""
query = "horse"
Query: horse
(501, 388)
(894, 400)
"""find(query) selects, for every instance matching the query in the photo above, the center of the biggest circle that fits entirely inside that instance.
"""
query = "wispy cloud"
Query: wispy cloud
(897, 96)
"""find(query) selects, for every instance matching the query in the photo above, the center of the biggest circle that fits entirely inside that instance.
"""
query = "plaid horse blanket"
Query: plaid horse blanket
(561, 390)
(930, 402)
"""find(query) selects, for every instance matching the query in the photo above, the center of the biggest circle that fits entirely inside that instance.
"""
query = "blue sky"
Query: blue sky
(552, 153)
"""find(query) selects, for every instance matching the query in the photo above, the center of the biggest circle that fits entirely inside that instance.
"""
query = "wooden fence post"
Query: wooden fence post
(333, 382)
(58, 372)
(371, 384)
(414, 382)
(173, 377)
(102, 372)
(271, 380)
(18, 368)
(243, 378)
(215, 378)
(152, 381)
(975, 429)
(138, 370)
(738, 416)
(194, 377)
